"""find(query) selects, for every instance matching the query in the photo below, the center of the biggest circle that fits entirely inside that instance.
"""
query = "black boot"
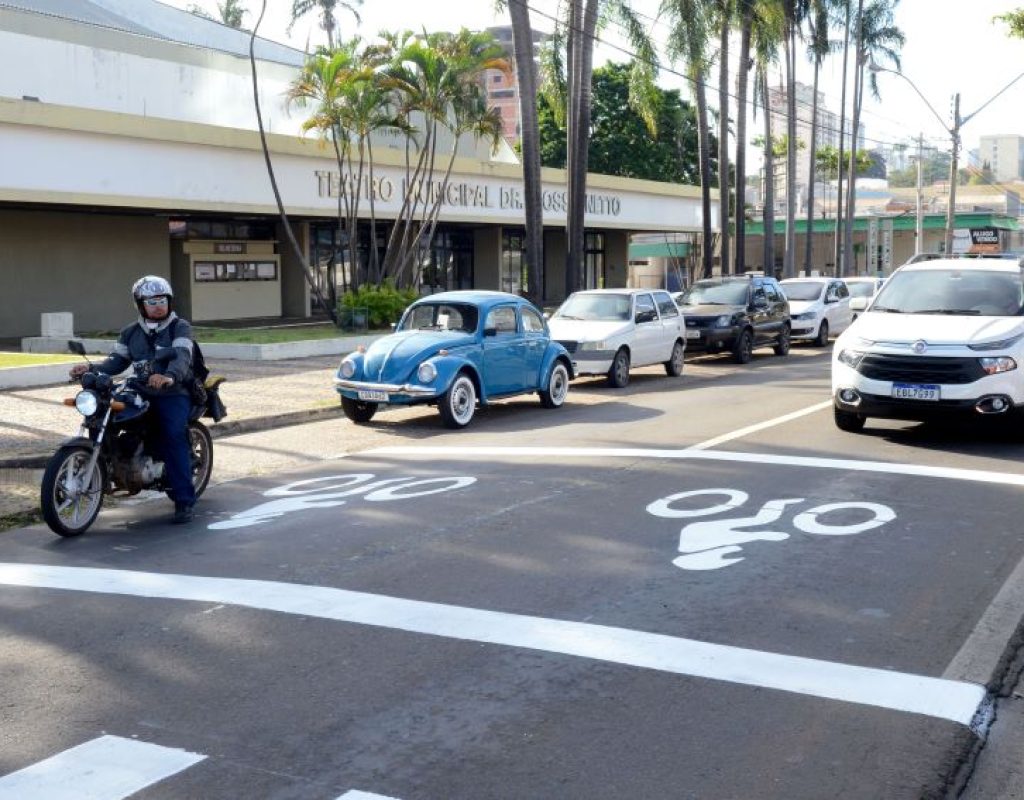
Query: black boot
(183, 512)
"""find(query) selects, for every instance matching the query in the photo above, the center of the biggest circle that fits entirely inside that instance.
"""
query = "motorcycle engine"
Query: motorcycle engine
(134, 473)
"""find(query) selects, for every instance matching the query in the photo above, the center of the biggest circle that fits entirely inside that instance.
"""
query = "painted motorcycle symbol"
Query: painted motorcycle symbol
(712, 544)
(312, 493)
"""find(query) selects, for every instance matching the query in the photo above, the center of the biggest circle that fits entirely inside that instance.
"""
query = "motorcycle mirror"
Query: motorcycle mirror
(76, 347)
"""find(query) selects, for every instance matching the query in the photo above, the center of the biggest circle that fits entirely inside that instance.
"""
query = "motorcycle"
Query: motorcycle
(115, 452)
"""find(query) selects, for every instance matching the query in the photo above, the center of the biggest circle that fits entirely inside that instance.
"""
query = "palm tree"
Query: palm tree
(766, 36)
(724, 11)
(840, 253)
(687, 38)
(300, 256)
(878, 39)
(231, 13)
(327, 10)
(793, 14)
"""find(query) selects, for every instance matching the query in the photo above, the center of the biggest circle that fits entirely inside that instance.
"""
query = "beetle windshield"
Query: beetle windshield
(593, 305)
(803, 290)
(440, 317)
(729, 293)
(987, 293)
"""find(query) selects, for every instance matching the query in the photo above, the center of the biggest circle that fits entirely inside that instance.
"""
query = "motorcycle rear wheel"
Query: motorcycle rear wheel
(70, 513)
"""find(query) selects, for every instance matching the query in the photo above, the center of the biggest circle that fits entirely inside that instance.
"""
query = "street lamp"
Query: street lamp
(954, 133)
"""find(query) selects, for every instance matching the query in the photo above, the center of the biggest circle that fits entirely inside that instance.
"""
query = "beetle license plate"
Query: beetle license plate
(915, 391)
(373, 395)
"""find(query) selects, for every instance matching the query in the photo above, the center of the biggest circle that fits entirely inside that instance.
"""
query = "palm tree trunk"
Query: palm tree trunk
(723, 139)
(742, 83)
(848, 266)
(704, 146)
(768, 213)
(808, 245)
(789, 263)
(529, 132)
(839, 254)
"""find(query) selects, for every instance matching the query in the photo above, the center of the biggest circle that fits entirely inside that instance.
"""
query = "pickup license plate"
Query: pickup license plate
(373, 395)
(692, 334)
(915, 391)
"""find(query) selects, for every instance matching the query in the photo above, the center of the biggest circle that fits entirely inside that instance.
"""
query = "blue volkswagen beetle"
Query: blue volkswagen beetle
(455, 349)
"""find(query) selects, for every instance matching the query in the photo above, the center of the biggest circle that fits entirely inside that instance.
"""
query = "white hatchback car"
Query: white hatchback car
(862, 288)
(608, 330)
(942, 337)
(819, 307)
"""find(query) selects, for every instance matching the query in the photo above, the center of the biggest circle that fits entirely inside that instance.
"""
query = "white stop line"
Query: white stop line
(936, 697)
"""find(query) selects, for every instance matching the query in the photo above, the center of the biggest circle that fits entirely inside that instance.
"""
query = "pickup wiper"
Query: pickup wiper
(955, 311)
(567, 316)
(886, 309)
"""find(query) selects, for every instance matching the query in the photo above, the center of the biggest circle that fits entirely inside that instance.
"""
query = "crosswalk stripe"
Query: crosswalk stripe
(106, 768)
(900, 691)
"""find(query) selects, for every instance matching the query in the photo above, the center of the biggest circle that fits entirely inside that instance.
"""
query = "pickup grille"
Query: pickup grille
(569, 346)
(920, 369)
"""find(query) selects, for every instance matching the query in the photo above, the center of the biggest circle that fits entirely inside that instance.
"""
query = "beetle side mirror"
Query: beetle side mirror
(490, 331)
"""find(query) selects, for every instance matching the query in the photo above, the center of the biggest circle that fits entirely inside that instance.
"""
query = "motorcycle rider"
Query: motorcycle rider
(165, 381)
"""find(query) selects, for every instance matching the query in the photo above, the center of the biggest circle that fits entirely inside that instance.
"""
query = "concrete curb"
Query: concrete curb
(217, 430)
(35, 375)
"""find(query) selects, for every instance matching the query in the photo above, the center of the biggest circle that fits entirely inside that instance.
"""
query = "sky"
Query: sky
(952, 46)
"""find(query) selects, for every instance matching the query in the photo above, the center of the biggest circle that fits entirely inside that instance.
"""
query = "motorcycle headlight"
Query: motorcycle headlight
(592, 346)
(1002, 344)
(993, 366)
(87, 403)
(851, 358)
(723, 321)
(347, 368)
(426, 372)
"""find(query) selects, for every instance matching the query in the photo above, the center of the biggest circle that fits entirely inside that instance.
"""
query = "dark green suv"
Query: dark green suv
(735, 315)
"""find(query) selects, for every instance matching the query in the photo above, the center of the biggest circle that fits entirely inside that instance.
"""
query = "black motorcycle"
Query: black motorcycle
(115, 452)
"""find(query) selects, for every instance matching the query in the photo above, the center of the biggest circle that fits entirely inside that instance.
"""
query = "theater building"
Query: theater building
(129, 145)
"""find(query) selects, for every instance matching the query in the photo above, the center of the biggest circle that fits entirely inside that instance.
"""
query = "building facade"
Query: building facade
(1004, 154)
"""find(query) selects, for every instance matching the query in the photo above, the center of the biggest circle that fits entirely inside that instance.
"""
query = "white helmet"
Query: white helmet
(151, 286)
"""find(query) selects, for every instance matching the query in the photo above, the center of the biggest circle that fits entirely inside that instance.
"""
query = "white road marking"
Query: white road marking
(760, 426)
(917, 694)
(355, 794)
(107, 768)
(850, 465)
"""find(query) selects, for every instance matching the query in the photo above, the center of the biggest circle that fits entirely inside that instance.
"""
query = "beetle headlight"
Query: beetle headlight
(87, 403)
(1002, 344)
(592, 346)
(348, 368)
(851, 358)
(426, 372)
(997, 364)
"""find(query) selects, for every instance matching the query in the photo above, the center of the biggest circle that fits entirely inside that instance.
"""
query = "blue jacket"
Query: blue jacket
(137, 345)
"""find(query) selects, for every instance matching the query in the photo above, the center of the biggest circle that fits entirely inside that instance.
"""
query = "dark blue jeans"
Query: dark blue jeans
(172, 421)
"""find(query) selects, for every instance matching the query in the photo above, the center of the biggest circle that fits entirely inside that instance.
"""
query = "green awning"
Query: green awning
(659, 250)
(900, 222)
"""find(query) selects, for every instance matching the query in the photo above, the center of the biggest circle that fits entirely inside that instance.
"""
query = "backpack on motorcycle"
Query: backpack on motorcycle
(204, 390)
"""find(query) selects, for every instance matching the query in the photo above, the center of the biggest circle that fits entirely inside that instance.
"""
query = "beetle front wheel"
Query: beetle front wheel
(558, 387)
(458, 404)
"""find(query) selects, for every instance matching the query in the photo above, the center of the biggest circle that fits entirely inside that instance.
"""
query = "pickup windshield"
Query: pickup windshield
(974, 292)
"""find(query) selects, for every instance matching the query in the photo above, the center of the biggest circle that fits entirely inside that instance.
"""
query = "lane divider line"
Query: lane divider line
(885, 467)
(917, 694)
(106, 768)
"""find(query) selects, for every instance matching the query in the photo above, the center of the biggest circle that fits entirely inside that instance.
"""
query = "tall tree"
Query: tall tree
(839, 252)
(878, 39)
(766, 38)
(1015, 21)
(232, 13)
(327, 9)
(723, 14)
(794, 12)
(687, 42)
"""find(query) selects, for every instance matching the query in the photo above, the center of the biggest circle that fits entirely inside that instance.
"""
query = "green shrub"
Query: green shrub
(383, 303)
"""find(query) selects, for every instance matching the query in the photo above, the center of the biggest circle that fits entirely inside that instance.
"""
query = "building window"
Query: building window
(449, 264)
(593, 264)
(513, 262)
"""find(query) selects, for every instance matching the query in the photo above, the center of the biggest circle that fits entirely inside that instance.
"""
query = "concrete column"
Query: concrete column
(554, 266)
(295, 291)
(487, 258)
(616, 259)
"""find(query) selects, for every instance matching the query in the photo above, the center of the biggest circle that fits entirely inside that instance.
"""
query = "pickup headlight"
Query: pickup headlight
(997, 364)
(426, 372)
(851, 358)
(1002, 344)
(592, 346)
(347, 368)
(723, 321)
(87, 403)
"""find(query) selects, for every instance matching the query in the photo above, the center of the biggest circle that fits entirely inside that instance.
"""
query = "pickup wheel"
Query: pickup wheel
(848, 421)
(618, 373)
(743, 349)
(782, 345)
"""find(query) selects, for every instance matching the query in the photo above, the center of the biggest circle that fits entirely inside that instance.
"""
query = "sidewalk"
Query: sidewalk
(258, 395)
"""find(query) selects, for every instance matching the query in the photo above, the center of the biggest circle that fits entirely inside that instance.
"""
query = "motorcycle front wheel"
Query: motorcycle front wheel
(70, 499)
(201, 446)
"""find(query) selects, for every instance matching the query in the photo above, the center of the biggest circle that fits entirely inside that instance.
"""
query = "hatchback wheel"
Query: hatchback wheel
(674, 366)
(743, 349)
(782, 345)
(822, 338)
(618, 374)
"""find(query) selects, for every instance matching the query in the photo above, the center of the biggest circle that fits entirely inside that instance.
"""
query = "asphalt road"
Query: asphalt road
(690, 588)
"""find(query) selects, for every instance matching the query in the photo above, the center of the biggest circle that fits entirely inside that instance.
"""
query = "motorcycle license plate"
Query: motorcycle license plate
(915, 391)
(373, 395)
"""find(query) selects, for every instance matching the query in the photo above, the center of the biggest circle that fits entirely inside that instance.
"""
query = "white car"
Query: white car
(862, 290)
(942, 337)
(608, 330)
(819, 307)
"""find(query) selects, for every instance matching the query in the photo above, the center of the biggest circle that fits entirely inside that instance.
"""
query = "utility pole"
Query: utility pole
(954, 133)
(919, 229)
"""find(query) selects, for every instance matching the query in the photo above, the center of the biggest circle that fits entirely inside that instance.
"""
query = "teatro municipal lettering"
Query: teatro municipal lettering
(458, 194)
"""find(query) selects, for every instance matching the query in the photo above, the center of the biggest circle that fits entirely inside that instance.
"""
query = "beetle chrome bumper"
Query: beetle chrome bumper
(390, 388)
